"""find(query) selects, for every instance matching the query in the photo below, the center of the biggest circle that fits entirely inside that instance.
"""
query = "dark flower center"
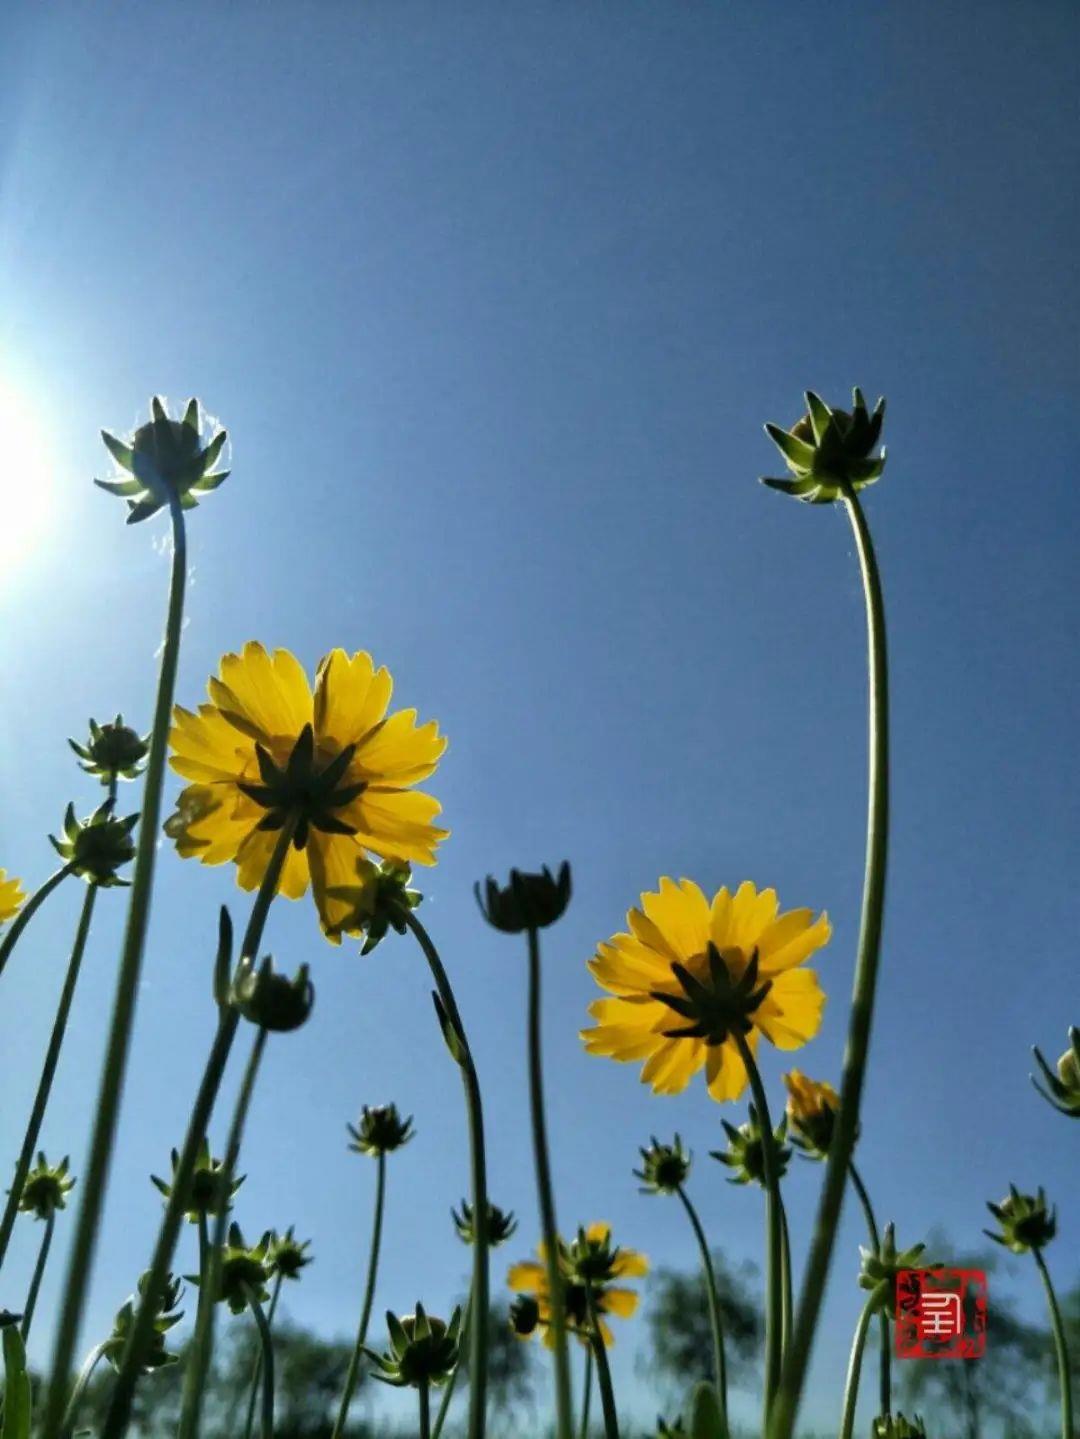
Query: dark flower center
(304, 790)
(715, 1004)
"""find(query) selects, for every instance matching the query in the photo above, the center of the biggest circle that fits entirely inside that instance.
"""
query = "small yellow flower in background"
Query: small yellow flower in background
(12, 897)
(691, 973)
(812, 1107)
(268, 750)
(588, 1262)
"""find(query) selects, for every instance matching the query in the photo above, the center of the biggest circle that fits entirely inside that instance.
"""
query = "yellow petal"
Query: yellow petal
(399, 751)
(724, 1069)
(623, 1302)
(526, 1277)
(790, 1013)
(396, 824)
(786, 944)
(351, 697)
(751, 914)
(333, 859)
(680, 912)
(206, 748)
(262, 692)
(253, 860)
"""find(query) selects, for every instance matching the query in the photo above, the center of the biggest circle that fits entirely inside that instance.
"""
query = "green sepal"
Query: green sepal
(120, 487)
(223, 959)
(455, 1040)
(142, 511)
(121, 453)
(791, 447)
(191, 415)
(206, 483)
(820, 415)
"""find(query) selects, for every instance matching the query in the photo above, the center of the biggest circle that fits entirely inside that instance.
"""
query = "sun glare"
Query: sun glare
(26, 481)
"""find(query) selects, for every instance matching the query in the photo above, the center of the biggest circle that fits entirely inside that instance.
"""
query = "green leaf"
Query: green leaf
(706, 1420)
(16, 1387)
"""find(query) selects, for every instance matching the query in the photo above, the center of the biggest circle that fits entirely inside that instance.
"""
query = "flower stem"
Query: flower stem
(39, 1271)
(715, 1320)
(448, 1392)
(864, 987)
(369, 1298)
(586, 1394)
(851, 1389)
(479, 1335)
(127, 985)
(116, 1420)
(785, 1290)
(548, 1224)
(774, 1232)
(85, 1374)
(267, 1355)
(425, 1409)
(603, 1371)
(29, 909)
(875, 1241)
(1064, 1371)
(253, 1398)
(48, 1071)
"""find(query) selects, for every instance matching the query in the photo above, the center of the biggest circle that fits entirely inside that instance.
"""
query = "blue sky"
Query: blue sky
(494, 300)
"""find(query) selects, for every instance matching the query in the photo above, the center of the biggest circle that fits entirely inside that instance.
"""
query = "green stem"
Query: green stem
(116, 1420)
(38, 1275)
(885, 1382)
(253, 1397)
(864, 987)
(448, 1392)
(425, 1409)
(1064, 1370)
(29, 909)
(48, 1071)
(548, 1224)
(267, 1355)
(85, 1374)
(774, 1284)
(127, 986)
(478, 1364)
(715, 1320)
(586, 1394)
(851, 1389)
(202, 1343)
(603, 1371)
(786, 1307)
(353, 1375)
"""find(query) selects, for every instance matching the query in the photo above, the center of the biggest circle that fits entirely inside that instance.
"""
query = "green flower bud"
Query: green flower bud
(381, 1130)
(95, 848)
(500, 1224)
(288, 1255)
(1026, 1222)
(665, 1168)
(380, 899)
(7, 1319)
(155, 1355)
(46, 1188)
(113, 751)
(829, 451)
(895, 1426)
(745, 1153)
(165, 459)
(207, 1194)
(881, 1267)
(1064, 1086)
(529, 901)
(244, 1272)
(664, 1430)
(423, 1349)
(524, 1316)
(273, 1001)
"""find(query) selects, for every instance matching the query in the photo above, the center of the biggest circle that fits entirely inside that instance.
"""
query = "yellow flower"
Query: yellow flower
(811, 1110)
(691, 974)
(589, 1261)
(267, 751)
(12, 897)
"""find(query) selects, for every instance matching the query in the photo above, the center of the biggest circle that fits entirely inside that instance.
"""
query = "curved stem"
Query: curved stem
(29, 909)
(481, 1304)
(785, 1289)
(548, 1224)
(603, 1371)
(39, 1271)
(586, 1394)
(48, 1071)
(369, 1298)
(267, 1354)
(425, 1409)
(253, 1398)
(1064, 1371)
(448, 1392)
(127, 985)
(851, 1389)
(202, 1342)
(715, 1321)
(864, 988)
(774, 1232)
(116, 1420)
(85, 1374)
(885, 1382)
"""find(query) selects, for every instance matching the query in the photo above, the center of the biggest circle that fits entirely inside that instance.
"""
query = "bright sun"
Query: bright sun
(26, 480)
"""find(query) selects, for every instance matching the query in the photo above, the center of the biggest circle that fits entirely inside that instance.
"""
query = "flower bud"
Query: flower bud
(381, 1130)
(829, 452)
(812, 1108)
(529, 901)
(113, 751)
(895, 1426)
(271, 1000)
(207, 1194)
(745, 1153)
(423, 1350)
(155, 1355)
(95, 848)
(165, 459)
(524, 1316)
(1026, 1221)
(46, 1188)
(12, 897)
(1064, 1086)
(664, 1430)
(244, 1271)
(500, 1224)
(881, 1267)
(379, 900)
(665, 1168)
(288, 1255)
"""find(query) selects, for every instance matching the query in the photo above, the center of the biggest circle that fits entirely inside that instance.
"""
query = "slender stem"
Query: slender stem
(353, 1375)
(1064, 1370)
(85, 1374)
(29, 909)
(715, 1320)
(48, 1071)
(127, 986)
(267, 1350)
(478, 1363)
(253, 1397)
(885, 1381)
(851, 1389)
(448, 1392)
(864, 987)
(603, 1371)
(116, 1420)
(39, 1272)
(548, 1224)
(586, 1394)
(202, 1343)
(773, 1231)
(786, 1306)
(425, 1409)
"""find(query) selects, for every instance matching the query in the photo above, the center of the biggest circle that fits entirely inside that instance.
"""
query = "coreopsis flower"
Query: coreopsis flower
(97, 847)
(378, 899)
(12, 896)
(166, 458)
(1026, 1221)
(381, 1130)
(589, 1264)
(1064, 1086)
(288, 1255)
(423, 1350)
(692, 974)
(665, 1168)
(267, 752)
(528, 901)
(882, 1266)
(271, 1000)
(166, 1315)
(745, 1153)
(244, 1271)
(829, 451)
(895, 1426)
(501, 1224)
(113, 751)
(46, 1188)
(207, 1194)
(812, 1107)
